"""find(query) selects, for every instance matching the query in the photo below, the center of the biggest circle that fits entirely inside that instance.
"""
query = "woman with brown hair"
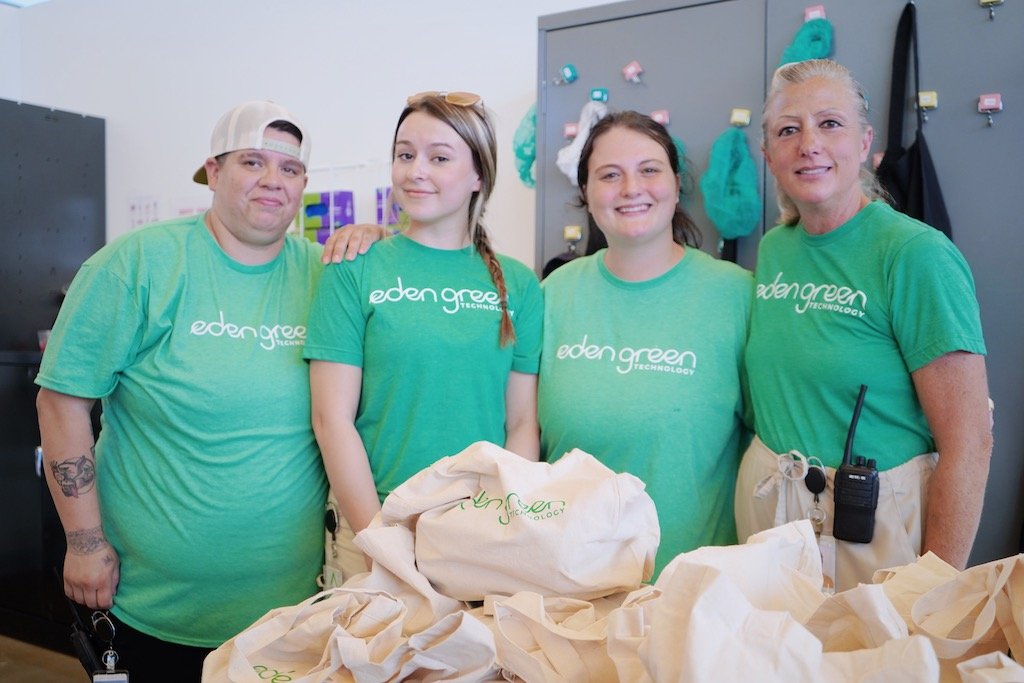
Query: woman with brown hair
(643, 341)
(429, 342)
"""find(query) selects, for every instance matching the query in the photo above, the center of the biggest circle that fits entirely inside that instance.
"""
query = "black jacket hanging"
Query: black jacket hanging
(908, 174)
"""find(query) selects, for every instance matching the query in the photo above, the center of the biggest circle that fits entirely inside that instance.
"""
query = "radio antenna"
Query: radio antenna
(848, 453)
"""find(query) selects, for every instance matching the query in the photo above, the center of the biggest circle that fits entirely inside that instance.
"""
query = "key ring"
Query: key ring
(103, 627)
(105, 630)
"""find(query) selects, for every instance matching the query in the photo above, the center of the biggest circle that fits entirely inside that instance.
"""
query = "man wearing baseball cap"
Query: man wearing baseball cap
(199, 507)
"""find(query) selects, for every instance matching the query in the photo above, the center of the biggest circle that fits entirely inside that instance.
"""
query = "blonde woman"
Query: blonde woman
(850, 292)
(429, 341)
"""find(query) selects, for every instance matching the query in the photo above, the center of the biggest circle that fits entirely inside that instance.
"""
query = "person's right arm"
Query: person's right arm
(335, 389)
(91, 567)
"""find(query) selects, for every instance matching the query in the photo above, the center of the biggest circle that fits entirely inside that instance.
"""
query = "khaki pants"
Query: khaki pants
(342, 557)
(766, 498)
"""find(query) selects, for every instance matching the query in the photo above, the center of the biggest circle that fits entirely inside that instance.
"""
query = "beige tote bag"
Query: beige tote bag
(551, 640)
(298, 641)
(487, 521)
(394, 571)
(704, 629)
(977, 612)
(995, 667)
(776, 569)
(857, 619)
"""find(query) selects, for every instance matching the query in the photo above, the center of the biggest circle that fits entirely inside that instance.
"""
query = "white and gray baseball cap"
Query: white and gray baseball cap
(243, 128)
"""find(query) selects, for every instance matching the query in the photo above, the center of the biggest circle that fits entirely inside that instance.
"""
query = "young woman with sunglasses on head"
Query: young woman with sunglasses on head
(430, 341)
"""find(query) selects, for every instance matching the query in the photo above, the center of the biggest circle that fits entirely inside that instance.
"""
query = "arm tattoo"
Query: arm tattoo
(86, 541)
(75, 475)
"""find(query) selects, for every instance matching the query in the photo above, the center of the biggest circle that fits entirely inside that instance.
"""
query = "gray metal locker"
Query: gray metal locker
(701, 59)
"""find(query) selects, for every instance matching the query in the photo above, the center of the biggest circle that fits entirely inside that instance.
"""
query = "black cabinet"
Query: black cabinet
(52, 218)
(31, 539)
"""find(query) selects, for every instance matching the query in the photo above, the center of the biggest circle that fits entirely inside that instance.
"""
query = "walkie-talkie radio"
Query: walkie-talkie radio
(856, 489)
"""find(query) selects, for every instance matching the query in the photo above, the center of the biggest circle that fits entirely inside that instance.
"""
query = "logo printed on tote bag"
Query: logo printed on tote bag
(512, 506)
(840, 299)
(273, 675)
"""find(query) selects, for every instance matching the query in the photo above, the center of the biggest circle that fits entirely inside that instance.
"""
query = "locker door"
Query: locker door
(700, 62)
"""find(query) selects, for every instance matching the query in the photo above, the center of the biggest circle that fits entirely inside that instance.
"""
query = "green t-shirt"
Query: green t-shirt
(422, 324)
(867, 303)
(645, 376)
(210, 483)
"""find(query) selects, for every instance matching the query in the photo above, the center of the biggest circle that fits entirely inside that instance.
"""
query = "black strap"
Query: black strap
(906, 40)
(81, 635)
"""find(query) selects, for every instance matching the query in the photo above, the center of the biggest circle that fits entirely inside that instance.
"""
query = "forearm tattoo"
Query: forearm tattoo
(75, 476)
(86, 541)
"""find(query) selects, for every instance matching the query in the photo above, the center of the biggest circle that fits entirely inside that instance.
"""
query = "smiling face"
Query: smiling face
(815, 143)
(631, 188)
(257, 193)
(433, 174)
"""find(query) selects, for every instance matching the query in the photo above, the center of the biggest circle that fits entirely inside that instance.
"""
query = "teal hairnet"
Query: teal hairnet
(681, 150)
(524, 143)
(729, 186)
(812, 41)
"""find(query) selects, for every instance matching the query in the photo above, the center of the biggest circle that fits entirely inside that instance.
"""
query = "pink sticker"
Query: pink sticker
(661, 116)
(632, 71)
(990, 102)
(569, 130)
(814, 12)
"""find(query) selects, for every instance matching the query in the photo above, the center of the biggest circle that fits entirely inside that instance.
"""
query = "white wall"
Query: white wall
(10, 54)
(161, 74)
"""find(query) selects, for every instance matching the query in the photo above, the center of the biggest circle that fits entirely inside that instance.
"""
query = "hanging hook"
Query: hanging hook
(739, 117)
(567, 74)
(991, 5)
(926, 100)
(572, 234)
(989, 104)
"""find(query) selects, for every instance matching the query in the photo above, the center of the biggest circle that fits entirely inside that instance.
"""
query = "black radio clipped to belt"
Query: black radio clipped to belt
(856, 489)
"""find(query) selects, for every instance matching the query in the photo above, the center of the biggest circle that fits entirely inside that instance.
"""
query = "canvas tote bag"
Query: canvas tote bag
(994, 667)
(776, 569)
(487, 521)
(977, 612)
(856, 619)
(394, 571)
(704, 629)
(295, 641)
(353, 636)
(551, 640)
(628, 628)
